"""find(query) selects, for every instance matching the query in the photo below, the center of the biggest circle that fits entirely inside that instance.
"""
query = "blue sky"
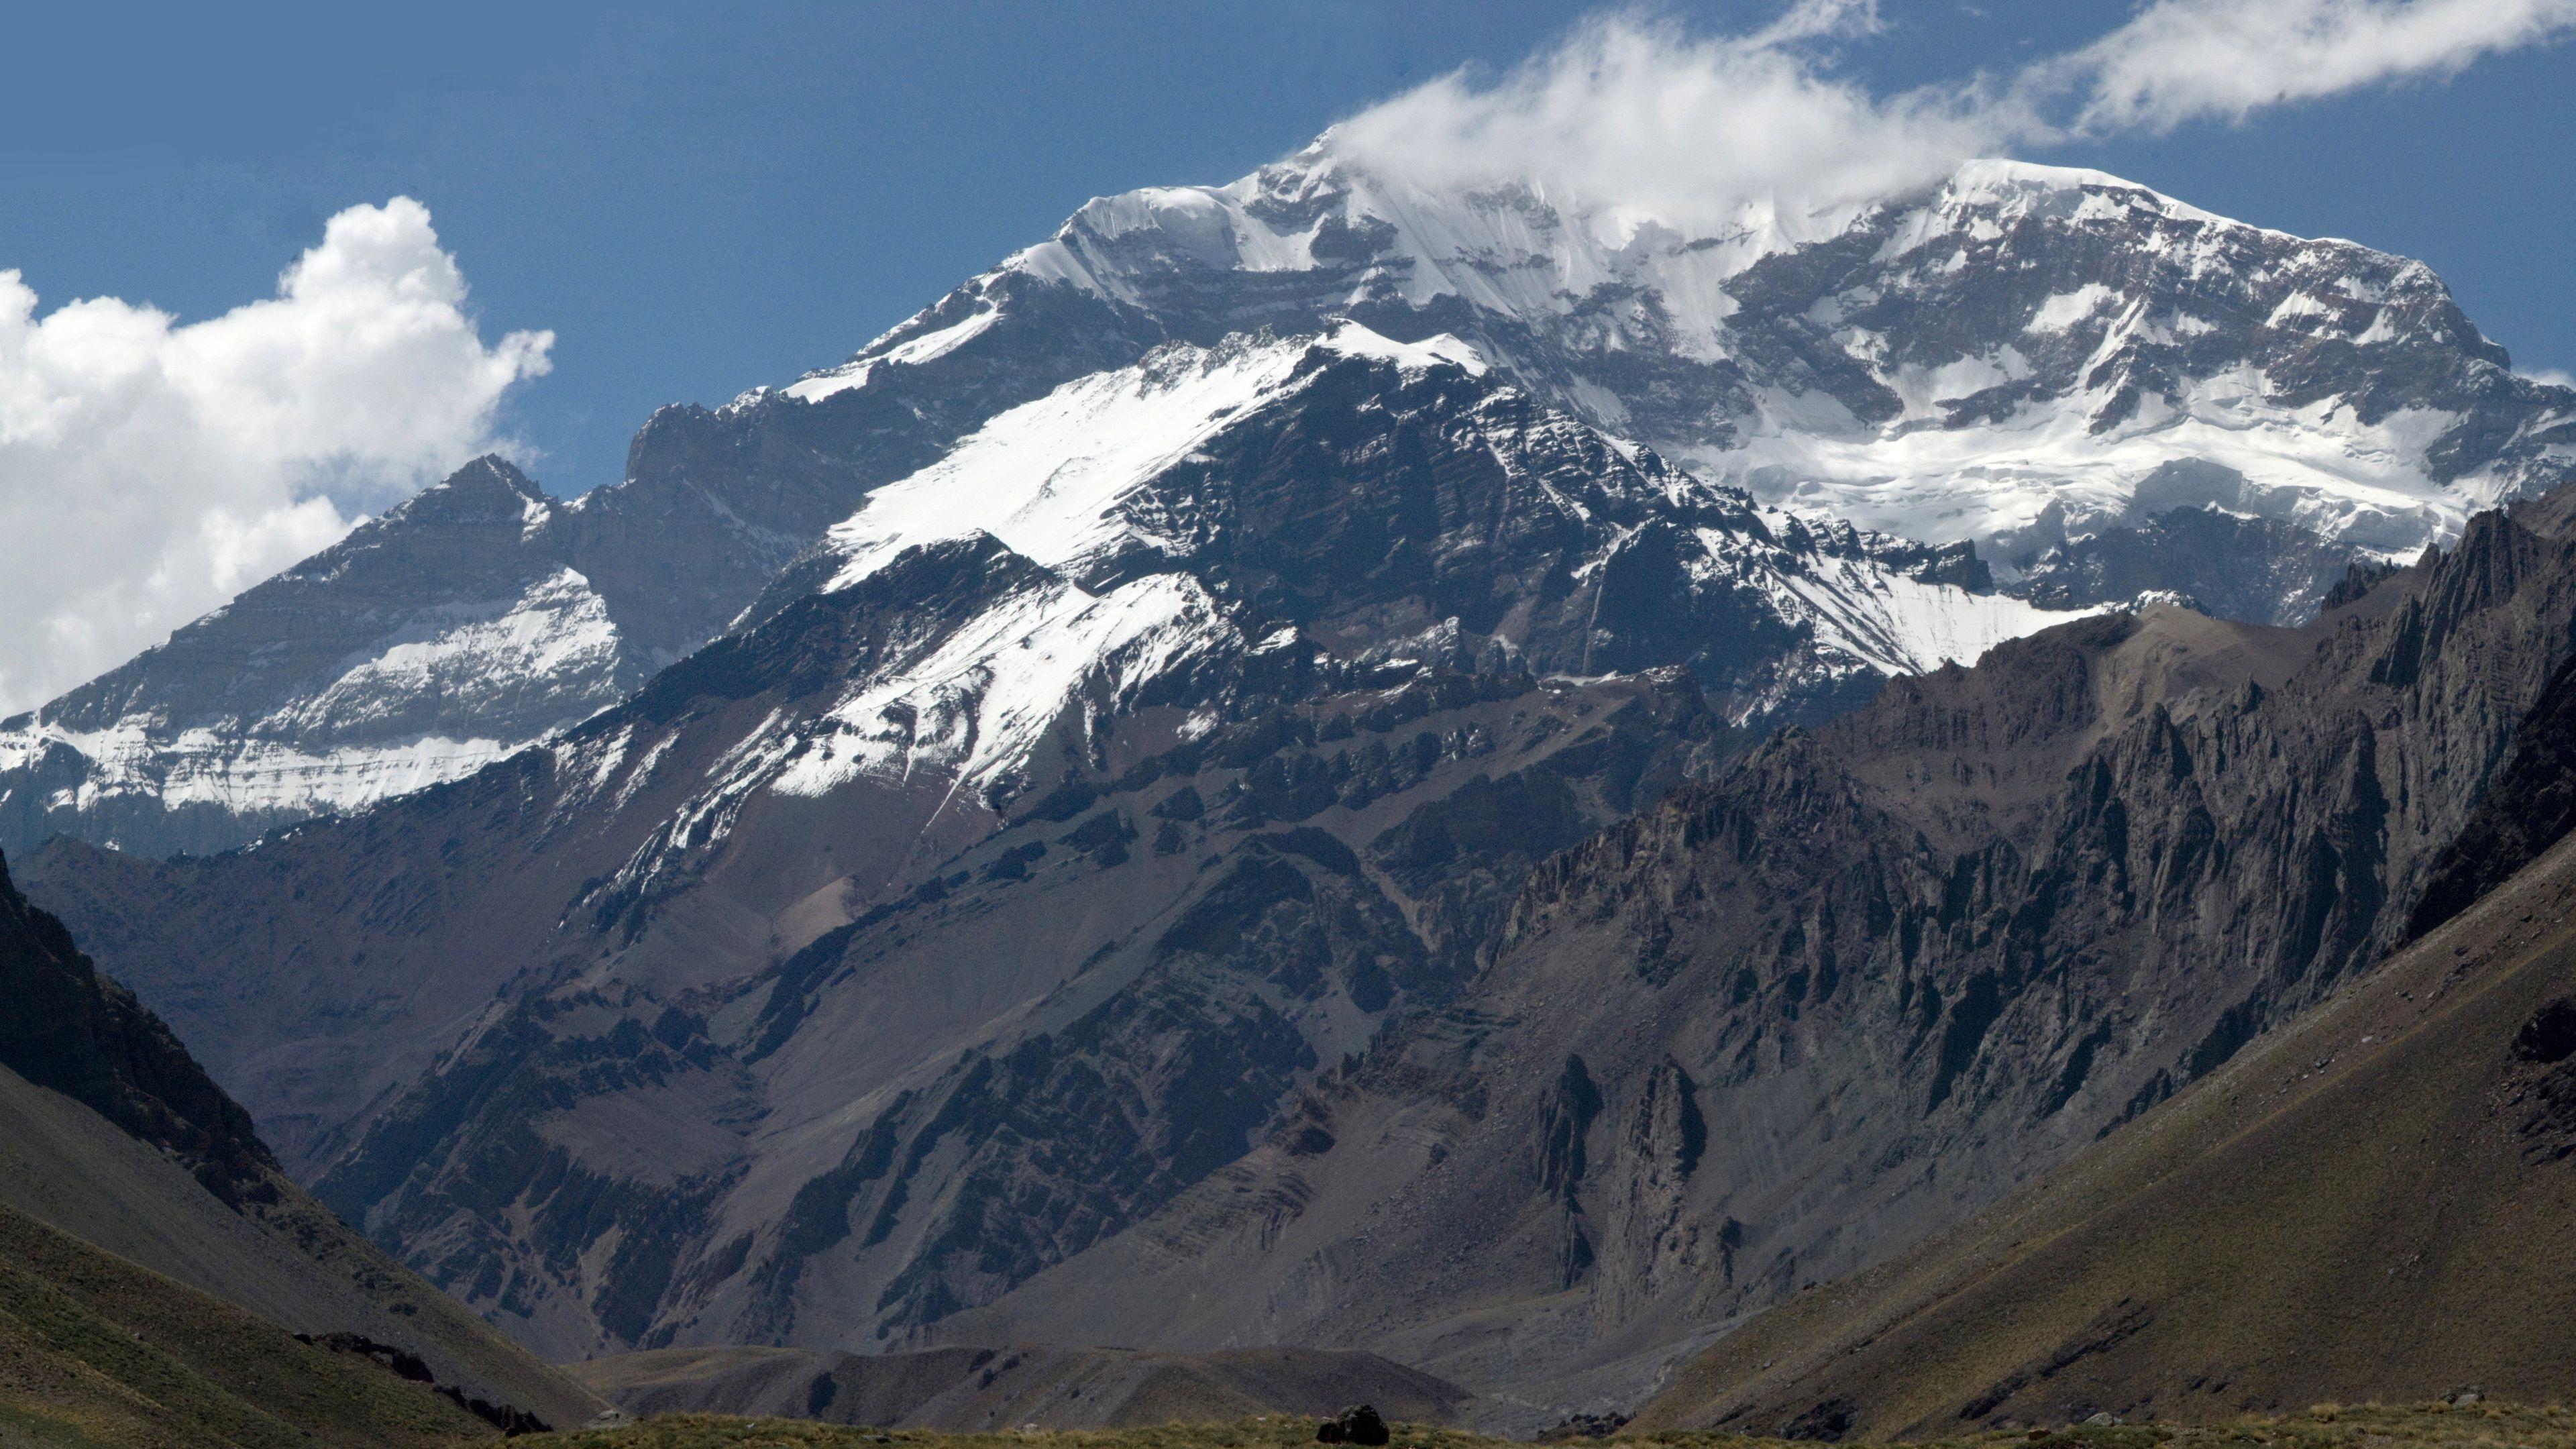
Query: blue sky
(699, 202)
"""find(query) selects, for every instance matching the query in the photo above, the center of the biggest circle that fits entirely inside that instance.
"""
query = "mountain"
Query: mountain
(1237, 1033)
(459, 627)
(155, 1265)
(2358, 1207)
(428, 643)
(1790, 1021)
(1099, 801)
(1222, 786)
(2056, 365)
(2101, 390)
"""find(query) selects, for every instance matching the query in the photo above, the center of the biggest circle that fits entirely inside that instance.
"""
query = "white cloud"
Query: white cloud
(1641, 115)
(1821, 19)
(149, 471)
(2187, 60)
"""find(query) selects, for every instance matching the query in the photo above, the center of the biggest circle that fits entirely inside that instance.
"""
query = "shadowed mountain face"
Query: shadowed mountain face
(70, 1030)
(154, 1263)
(1276, 1027)
(947, 920)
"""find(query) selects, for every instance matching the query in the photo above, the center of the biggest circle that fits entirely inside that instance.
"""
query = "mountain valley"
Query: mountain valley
(1313, 782)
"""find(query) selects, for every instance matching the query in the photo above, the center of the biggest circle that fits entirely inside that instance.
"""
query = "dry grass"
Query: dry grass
(96, 1351)
(2427, 1426)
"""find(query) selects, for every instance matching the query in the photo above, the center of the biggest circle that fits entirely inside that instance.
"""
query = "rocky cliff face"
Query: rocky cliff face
(1793, 1018)
(2346, 1212)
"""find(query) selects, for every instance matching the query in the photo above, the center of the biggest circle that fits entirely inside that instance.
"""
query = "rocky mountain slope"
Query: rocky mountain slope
(2105, 391)
(135, 1200)
(2354, 1209)
(1071, 804)
(1152, 852)
(1791, 1020)
(1273, 1028)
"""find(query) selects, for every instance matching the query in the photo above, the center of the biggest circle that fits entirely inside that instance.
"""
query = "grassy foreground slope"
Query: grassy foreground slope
(2373, 1202)
(95, 1350)
(112, 1133)
(156, 1265)
(280, 1257)
(2428, 1426)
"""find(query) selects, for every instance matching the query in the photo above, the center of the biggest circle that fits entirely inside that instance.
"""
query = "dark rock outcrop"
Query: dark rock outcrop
(1359, 1424)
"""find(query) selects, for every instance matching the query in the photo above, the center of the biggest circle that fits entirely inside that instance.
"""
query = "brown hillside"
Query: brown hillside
(96, 1351)
(115, 1141)
(2373, 1202)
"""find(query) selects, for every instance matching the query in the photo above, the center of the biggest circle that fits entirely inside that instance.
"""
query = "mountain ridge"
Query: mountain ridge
(1759, 1035)
(2106, 392)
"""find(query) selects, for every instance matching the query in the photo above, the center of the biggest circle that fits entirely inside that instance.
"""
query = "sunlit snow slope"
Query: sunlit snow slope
(1148, 512)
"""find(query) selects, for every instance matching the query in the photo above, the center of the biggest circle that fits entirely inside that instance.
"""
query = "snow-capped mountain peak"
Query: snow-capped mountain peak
(2100, 389)
(2019, 356)
(1165, 470)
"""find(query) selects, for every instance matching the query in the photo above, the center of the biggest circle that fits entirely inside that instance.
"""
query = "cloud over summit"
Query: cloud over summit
(150, 470)
(1635, 115)
(1640, 115)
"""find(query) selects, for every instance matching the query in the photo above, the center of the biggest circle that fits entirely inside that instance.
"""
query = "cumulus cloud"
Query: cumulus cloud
(150, 470)
(2188, 60)
(1635, 114)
